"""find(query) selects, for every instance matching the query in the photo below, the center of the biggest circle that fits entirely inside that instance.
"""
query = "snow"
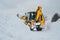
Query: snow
(12, 28)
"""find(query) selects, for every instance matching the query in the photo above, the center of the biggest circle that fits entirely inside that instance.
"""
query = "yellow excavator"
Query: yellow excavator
(34, 19)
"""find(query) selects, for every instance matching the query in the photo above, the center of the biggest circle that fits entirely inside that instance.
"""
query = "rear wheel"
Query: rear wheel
(38, 28)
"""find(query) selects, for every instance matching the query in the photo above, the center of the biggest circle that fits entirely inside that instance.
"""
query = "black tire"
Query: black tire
(38, 28)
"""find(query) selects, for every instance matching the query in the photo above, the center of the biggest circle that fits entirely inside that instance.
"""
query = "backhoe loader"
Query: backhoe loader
(34, 19)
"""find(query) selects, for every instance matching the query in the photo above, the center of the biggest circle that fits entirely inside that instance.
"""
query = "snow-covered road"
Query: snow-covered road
(12, 28)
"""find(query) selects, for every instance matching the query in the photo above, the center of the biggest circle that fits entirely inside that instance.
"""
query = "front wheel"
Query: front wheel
(37, 28)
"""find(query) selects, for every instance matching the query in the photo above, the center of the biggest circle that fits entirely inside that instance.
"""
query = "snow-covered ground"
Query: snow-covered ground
(12, 28)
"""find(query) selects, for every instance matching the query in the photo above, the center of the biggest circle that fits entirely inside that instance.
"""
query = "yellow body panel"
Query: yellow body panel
(24, 18)
(39, 14)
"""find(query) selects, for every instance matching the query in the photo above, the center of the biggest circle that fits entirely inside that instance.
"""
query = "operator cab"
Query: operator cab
(30, 15)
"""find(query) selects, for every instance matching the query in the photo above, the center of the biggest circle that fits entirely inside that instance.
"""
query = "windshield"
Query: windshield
(31, 15)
